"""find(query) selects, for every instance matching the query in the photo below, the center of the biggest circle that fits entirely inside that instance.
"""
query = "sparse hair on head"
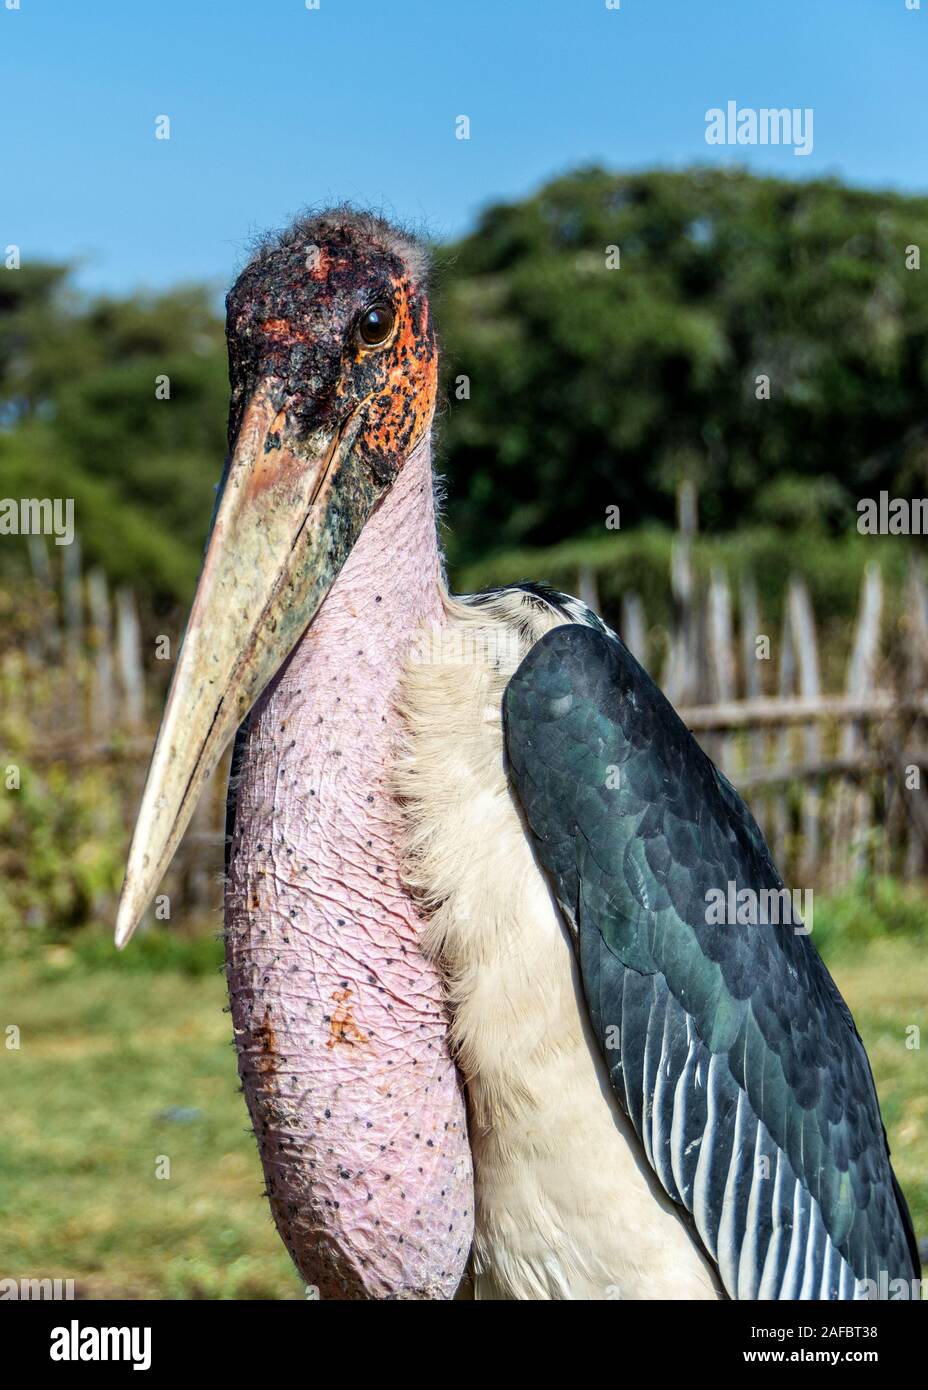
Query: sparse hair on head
(358, 223)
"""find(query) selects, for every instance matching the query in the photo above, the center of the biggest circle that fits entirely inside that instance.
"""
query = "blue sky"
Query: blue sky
(274, 106)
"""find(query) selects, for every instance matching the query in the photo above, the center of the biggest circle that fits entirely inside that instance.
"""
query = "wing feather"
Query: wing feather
(729, 1046)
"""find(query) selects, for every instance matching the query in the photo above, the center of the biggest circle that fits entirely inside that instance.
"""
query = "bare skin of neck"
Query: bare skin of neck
(339, 1019)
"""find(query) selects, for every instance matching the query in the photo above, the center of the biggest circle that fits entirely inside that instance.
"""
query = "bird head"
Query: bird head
(333, 367)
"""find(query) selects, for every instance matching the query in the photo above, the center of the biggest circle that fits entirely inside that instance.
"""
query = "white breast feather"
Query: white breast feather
(566, 1206)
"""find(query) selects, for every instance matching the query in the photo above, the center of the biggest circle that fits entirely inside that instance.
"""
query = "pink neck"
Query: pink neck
(340, 1020)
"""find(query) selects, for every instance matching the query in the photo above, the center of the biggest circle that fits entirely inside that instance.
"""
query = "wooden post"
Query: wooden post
(916, 681)
(684, 682)
(851, 816)
(587, 590)
(803, 626)
(634, 627)
(721, 657)
(99, 605)
(781, 742)
(753, 682)
(73, 599)
(129, 658)
(42, 642)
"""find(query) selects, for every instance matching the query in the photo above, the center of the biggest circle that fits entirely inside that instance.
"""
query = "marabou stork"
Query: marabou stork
(479, 1011)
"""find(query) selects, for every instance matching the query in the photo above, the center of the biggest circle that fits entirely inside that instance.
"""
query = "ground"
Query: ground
(117, 1072)
(125, 1065)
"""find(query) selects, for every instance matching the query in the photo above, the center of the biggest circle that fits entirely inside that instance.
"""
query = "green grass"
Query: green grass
(104, 1052)
(109, 1043)
(874, 938)
(886, 987)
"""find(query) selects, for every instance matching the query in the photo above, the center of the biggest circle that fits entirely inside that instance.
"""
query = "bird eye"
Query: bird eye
(376, 324)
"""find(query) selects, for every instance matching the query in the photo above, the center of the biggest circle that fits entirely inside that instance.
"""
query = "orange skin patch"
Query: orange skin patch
(266, 1058)
(293, 331)
(282, 330)
(342, 1026)
(404, 372)
(402, 410)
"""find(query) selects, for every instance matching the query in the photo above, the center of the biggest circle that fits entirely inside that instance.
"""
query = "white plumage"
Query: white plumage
(566, 1206)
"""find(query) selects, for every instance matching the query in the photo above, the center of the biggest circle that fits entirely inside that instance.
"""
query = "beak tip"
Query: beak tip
(126, 922)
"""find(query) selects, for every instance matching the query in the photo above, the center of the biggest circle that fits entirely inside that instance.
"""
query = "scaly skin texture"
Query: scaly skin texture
(339, 1019)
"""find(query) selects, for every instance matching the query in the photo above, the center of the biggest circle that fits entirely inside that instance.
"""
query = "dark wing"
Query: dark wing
(729, 1046)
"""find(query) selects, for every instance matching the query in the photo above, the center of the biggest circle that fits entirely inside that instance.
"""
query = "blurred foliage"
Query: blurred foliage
(639, 561)
(874, 907)
(589, 387)
(195, 952)
(79, 417)
(62, 826)
(61, 849)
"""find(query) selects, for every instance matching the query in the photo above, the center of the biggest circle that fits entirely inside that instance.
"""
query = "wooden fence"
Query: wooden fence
(833, 777)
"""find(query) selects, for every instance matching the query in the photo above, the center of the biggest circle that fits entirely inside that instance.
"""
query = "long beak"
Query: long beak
(283, 528)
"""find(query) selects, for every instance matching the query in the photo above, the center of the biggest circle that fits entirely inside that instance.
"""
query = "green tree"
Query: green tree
(592, 386)
(120, 404)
